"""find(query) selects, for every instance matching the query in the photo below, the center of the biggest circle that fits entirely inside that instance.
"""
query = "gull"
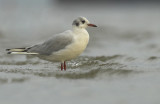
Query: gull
(61, 47)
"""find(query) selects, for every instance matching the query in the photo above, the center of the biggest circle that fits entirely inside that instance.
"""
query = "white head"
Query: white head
(82, 22)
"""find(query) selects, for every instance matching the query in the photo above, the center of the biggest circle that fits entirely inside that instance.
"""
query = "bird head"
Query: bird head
(82, 22)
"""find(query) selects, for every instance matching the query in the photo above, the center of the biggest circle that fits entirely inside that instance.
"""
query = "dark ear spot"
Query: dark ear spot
(77, 24)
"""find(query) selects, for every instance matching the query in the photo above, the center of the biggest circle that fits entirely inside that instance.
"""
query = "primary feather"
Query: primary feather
(56, 43)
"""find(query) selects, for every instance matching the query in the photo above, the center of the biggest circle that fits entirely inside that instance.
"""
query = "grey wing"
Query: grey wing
(56, 43)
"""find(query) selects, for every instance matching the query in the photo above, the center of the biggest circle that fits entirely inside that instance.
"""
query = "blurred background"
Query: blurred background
(28, 22)
(119, 66)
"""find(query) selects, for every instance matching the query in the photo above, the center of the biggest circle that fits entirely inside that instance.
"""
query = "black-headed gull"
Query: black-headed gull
(61, 47)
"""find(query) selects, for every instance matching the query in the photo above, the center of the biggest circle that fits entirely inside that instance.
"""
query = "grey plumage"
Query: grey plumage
(56, 43)
(78, 21)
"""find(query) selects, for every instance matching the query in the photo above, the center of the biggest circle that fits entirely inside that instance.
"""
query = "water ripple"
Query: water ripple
(83, 67)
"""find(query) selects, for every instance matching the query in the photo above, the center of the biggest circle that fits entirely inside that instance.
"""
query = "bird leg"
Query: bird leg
(64, 65)
(61, 66)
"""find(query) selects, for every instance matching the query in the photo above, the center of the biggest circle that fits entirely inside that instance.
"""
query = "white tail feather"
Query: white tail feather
(23, 53)
(16, 50)
(20, 51)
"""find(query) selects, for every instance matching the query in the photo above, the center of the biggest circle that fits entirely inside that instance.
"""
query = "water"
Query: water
(119, 66)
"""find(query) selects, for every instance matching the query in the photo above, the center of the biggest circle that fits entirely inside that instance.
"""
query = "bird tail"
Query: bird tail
(19, 51)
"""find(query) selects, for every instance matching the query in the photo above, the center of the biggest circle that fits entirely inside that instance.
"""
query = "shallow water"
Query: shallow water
(119, 66)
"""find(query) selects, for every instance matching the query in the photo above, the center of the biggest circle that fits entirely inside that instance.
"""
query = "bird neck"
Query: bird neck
(78, 29)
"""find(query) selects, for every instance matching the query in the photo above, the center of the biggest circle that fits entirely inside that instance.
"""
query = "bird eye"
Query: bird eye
(83, 21)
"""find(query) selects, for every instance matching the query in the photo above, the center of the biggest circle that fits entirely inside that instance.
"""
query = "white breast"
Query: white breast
(80, 41)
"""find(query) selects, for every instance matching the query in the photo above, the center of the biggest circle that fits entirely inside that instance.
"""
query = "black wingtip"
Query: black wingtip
(8, 52)
(8, 49)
